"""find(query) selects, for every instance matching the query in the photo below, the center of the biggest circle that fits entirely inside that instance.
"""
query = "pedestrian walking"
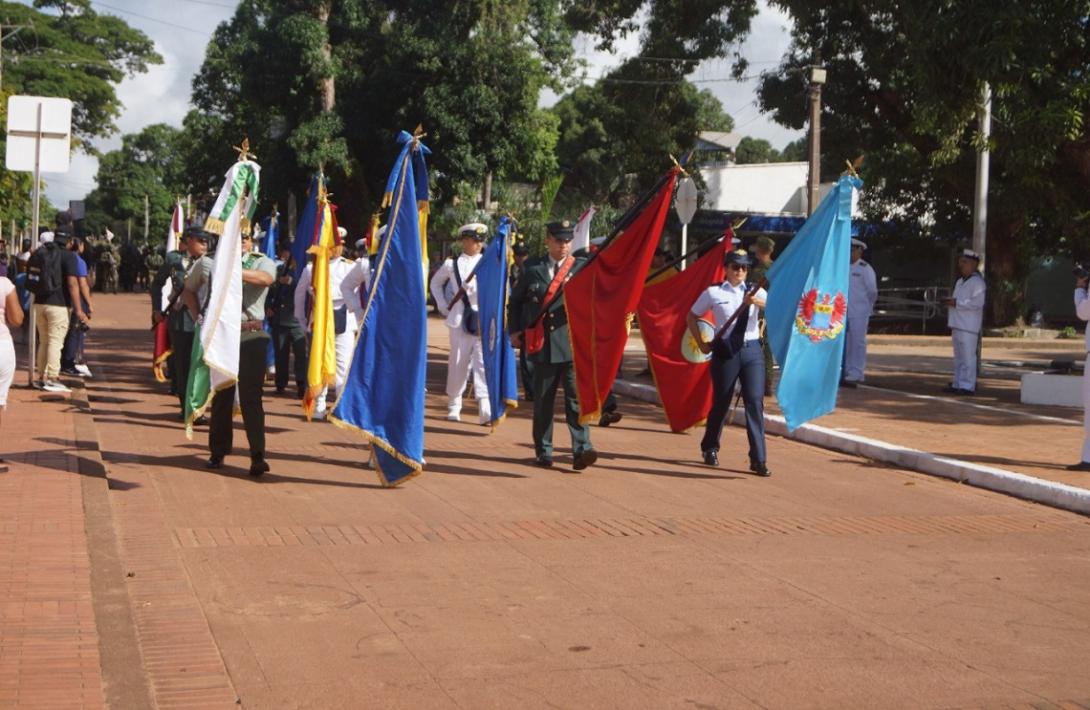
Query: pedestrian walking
(52, 279)
(736, 355)
(862, 295)
(548, 346)
(463, 323)
(965, 318)
(11, 314)
(258, 274)
(72, 361)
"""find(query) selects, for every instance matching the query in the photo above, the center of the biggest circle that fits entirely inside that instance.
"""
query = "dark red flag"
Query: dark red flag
(603, 295)
(679, 368)
(162, 350)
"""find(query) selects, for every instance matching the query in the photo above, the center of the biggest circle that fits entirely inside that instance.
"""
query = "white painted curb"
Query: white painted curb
(1039, 490)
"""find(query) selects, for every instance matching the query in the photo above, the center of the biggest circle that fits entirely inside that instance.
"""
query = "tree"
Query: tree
(618, 134)
(470, 71)
(76, 54)
(147, 164)
(755, 150)
(796, 151)
(904, 88)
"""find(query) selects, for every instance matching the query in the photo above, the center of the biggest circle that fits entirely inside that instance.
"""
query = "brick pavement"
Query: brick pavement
(647, 581)
(902, 404)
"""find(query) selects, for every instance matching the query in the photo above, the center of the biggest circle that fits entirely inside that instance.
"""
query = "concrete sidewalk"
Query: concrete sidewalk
(647, 581)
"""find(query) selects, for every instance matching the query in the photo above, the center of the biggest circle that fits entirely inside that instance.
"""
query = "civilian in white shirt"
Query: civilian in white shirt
(344, 317)
(862, 295)
(736, 354)
(1082, 310)
(463, 323)
(966, 315)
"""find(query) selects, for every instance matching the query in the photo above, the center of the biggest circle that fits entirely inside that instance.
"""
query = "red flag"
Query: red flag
(679, 368)
(602, 296)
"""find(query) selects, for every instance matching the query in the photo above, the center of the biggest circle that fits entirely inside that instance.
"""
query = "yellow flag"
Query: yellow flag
(322, 366)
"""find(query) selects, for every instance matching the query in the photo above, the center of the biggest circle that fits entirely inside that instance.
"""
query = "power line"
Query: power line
(154, 19)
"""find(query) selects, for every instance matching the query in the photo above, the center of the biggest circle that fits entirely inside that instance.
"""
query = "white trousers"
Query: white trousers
(855, 348)
(466, 353)
(1086, 413)
(964, 360)
(346, 343)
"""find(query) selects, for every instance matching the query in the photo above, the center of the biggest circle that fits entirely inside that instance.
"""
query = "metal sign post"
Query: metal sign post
(685, 204)
(39, 140)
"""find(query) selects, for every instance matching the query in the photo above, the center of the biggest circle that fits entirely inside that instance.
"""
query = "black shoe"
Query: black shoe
(258, 466)
(200, 421)
(848, 384)
(759, 468)
(711, 457)
(950, 389)
(1080, 466)
(966, 393)
(71, 372)
(611, 417)
(543, 461)
(584, 458)
(214, 462)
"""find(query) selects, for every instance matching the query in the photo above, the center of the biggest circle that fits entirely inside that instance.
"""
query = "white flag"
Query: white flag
(581, 239)
(222, 323)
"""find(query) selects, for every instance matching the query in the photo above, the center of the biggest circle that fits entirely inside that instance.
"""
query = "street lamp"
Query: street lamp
(817, 78)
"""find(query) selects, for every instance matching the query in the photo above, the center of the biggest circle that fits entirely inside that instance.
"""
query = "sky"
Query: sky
(181, 29)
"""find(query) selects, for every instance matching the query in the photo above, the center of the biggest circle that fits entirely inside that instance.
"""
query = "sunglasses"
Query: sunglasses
(739, 267)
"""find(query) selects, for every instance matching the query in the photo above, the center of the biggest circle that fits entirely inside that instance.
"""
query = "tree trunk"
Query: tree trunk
(1006, 272)
(329, 88)
(486, 193)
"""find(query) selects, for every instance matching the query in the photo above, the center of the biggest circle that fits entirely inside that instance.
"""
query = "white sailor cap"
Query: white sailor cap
(473, 230)
(970, 254)
(598, 241)
(361, 243)
(342, 232)
(45, 237)
(859, 243)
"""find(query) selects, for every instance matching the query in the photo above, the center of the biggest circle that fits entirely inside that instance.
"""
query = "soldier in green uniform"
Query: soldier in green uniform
(762, 262)
(179, 324)
(552, 364)
(258, 274)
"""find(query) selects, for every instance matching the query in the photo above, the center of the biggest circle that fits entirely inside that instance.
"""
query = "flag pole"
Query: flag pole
(618, 227)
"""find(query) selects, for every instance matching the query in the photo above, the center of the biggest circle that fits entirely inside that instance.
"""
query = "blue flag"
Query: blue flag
(807, 305)
(308, 223)
(271, 225)
(499, 356)
(384, 392)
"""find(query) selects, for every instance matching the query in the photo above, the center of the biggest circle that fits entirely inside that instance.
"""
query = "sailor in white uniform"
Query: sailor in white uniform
(862, 295)
(966, 315)
(463, 323)
(344, 317)
(1082, 310)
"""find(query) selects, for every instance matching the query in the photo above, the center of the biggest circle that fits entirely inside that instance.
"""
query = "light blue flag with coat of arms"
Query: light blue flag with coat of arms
(807, 307)
(383, 394)
(499, 356)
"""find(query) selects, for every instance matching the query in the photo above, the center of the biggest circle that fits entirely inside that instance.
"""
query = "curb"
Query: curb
(1038, 490)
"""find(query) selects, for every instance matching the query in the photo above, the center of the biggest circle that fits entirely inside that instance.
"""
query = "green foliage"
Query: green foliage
(904, 86)
(755, 150)
(147, 163)
(619, 133)
(76, 54)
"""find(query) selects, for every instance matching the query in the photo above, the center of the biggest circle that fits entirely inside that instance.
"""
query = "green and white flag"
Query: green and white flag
(216, 341)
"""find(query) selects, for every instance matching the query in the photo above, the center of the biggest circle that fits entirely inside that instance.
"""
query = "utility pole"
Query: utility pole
(983, 158)
(813, 180)
(147, 214)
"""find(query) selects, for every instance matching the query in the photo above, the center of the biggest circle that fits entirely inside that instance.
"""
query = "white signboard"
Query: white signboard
(31, 117)
(685, 203)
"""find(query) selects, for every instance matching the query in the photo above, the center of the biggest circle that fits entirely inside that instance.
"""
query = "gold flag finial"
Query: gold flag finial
(853, 165)
(678, 165)
(243, 151)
